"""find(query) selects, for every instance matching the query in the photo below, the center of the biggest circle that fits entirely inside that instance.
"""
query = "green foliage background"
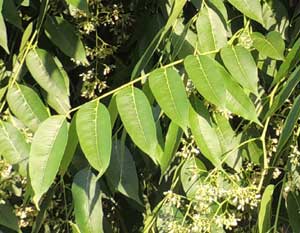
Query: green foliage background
(149, 116)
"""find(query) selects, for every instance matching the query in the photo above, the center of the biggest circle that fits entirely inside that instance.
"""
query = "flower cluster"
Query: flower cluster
(217, 204)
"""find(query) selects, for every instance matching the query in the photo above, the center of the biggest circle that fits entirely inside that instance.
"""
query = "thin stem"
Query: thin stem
(126, 85)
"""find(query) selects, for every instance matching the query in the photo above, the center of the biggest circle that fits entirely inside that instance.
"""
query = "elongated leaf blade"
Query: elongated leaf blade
(136, 115)
(86, 194)
(271, 45)
(27, 106)
(11, 14)
(293, 208)
(168, 90)
(264, 217)
(228, 141)
(8, 218)
(94, 133)
(291, 60)
(121, 173)
(171, 145)
(211, 31)
(3, 37)
(63, 35)
(236, 99)
(241, 66)
(289, 124)
(70, 148)
(13, 147)
(205, 137)
(206, 78)
(285, 92)
(143, 61)
(44, 70)
(251, 8)
(47, 149)
(48, 75)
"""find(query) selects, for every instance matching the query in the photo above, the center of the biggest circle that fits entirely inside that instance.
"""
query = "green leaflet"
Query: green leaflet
(264, 216)
(271, 45)
(215, 84)
(143, 61)
(26, 105)
(211, 32)
(8, 218)
(293, 206)
(13, 147)
(3, 37)
(70, 148)
(11, 14)
(183, 39)
(236, 99)
(94, 133)
(241, 66)
(228, 141)
(79, 4)
(205, 137)
(289, 62)
(26, 36)
(121, 173)
(171, 145)
(86, 194)
(63, 35)
(206, 78)
(251, 8)
(169, 91)
(136, 115)
(287, 129)
(285, 92)
(191, 175)
(48, 75)
(47, 149)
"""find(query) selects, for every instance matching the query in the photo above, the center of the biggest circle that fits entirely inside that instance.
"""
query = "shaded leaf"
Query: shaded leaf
(136, 115)
(271, 45)
(121, 173)
(293, 209)
(3, 37)
(13, 147)
(47, 149)
(285, 92)
(63, 35)
(8, 218)
(250, 8)
(169, 91)
(26, 105)
(264, 216)
(241, 66)
(289, 63)
(289, 124)
(94, 133)
(86, 194)
(171, 145)
(11, 14)
(206, 78)
(211, 32)
(145, 58)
